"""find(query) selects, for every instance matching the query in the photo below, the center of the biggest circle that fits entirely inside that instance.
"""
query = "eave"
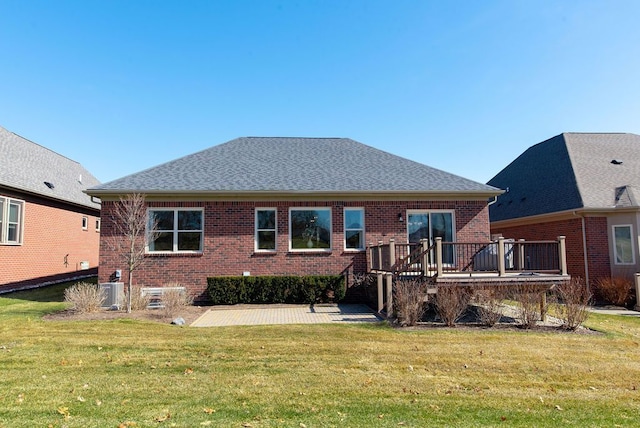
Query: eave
(564, 215)
(151, 195)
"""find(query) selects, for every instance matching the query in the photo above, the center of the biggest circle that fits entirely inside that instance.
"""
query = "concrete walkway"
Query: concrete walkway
(284, 314)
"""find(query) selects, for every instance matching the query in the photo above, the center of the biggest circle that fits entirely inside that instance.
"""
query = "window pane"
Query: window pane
(418, 227)
(189, 220)
(266, 219)
(623, 243)
(353, 219)
(189, 241)
(163, 242)
(12, 233)
(163, 218)
(266, 240)
(14, 213)
(441, 226)
(310, 229)
(354, 239)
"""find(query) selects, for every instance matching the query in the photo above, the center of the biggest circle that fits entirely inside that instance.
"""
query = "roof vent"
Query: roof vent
(49, 185)
(616, 162)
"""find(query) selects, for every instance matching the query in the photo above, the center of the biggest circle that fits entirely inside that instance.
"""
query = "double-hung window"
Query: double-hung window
(177, 230)
(310, 229)
(623, 245)
(11, 221)
(354, 228)
(266, 229)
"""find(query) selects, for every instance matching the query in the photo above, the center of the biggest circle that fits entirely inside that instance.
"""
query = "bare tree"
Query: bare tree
(132, 231)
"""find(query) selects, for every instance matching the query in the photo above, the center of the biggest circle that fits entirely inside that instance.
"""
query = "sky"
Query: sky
(462, 86)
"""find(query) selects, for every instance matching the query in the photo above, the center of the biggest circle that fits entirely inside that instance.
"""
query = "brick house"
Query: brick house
(585, 186)
(278, 206)
(49, 228)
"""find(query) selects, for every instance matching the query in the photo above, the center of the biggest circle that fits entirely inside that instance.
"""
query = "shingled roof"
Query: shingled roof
(568, 172)
(27, 167)
(292, 165)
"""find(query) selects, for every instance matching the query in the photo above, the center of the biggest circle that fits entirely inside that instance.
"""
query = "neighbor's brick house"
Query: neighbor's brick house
(49, 228)
(278, 206)
(581, 185)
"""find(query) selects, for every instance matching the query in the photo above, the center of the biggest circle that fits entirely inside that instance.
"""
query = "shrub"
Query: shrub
(451, 302)
(574, 298)
(139, 302)
(528, 297)
(409, 301)
(489, 304)
(615, 290)
(174, 300)
(231, 290)
(85, 297)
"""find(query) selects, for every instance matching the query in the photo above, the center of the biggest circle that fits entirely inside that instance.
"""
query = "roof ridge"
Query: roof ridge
(301, 138)
(41, 146)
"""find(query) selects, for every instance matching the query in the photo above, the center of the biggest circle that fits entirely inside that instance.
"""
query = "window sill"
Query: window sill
(169, 254)
(312, 251)
(265, 252)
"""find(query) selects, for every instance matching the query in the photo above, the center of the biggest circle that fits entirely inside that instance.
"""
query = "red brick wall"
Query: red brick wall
(597, 244)
(51, 232)
(229, 241)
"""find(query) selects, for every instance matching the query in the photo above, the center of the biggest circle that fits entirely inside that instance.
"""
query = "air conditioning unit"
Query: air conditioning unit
(114, 294)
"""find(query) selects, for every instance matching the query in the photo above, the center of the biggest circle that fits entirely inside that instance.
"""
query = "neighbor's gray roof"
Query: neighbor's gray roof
(26, 166)
(260, 164)
(570, 171)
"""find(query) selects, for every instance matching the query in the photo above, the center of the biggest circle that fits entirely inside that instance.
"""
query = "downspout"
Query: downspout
(584, 250)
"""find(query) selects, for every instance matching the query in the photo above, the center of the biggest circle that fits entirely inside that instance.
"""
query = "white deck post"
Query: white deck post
(389, 294)
(521, 254)
(370, 261)
(380, 264)
(439, 256)
(425, 257)
(562, 249)
(380, 292)
(501, 256)
(392, 253)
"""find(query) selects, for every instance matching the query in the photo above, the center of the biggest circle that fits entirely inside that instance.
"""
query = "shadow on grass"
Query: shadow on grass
(47, 293)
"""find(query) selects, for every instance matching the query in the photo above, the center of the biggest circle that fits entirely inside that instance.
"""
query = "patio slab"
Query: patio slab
(285, 314)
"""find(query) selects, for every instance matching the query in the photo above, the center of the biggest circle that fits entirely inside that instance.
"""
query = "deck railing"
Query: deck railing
(501, 257)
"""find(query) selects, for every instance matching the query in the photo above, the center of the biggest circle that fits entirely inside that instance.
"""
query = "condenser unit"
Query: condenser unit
(114, 294)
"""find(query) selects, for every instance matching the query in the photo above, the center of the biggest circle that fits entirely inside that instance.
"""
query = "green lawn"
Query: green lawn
(131, 373)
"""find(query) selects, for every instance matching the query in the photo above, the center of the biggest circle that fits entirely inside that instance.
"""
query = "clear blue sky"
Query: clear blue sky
(463, 86)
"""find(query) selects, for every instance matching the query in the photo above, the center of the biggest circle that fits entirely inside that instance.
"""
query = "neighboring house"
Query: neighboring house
(585, 186)
(49, 228)
(276, 206)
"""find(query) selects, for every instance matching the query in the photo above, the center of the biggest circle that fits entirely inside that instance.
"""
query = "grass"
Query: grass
(126, 372)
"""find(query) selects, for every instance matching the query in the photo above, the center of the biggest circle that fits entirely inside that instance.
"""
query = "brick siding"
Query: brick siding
(596, 237)
(53, 235)
(229, 241)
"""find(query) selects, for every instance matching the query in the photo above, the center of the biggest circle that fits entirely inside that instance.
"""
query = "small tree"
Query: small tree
(132, 230)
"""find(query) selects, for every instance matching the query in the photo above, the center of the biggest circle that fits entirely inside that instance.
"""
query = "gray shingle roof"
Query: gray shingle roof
(261, 164)
(26, 166)
(569, 171)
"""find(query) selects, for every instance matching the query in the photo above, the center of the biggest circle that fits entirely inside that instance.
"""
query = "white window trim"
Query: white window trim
(345, 229)
(615, 247)
(85, 222)
(175, 231)
(427, 211)
(98, 225)
(4, 230)
(312, 250)
(256, 230)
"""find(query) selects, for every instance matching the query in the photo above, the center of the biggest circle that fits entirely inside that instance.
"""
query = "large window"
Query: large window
(11, 221)
(623, 245)
(430, 225)
(266, 229)
(354, 228)
(310, 229)
(177, 230)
